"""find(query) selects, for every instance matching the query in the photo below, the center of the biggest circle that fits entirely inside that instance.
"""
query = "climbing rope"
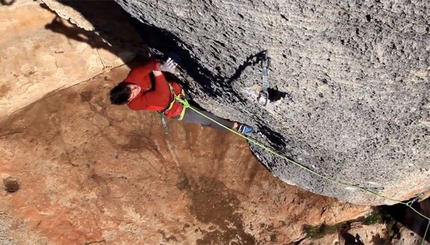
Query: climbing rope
(274, 152)
(425, 233)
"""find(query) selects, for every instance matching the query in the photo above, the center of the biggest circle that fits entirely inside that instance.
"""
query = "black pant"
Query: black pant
(193, 117)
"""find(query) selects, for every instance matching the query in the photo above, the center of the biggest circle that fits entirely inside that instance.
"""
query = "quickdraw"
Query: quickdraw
(164, 123)
(163, 117)
(263, 96)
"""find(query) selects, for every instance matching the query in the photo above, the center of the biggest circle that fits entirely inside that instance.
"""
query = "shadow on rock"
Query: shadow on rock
(7, 2)
(251, 60)
(352, 240)
(109, 23)
(58, 25)
(115, 26)
(411, 219)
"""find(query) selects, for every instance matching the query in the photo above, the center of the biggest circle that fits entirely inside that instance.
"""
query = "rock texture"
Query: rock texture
(36, 60)
(94, 173)
(411, 222)
(76, 170)
(357, 234)
(360, 234)
(355, 78)
(406, 237)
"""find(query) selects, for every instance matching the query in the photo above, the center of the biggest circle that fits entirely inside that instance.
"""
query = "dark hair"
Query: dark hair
(120, 94)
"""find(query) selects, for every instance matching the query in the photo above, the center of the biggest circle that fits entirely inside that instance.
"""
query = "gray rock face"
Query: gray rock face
(354, 80)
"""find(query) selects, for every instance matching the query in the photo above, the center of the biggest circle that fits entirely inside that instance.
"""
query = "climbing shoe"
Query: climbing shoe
(244, 129)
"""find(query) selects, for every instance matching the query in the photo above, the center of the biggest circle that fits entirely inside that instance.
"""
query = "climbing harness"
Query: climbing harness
(171, 103)
(274, 152)
(263, 96)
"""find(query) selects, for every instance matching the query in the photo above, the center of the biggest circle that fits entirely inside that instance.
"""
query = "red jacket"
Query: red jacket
(154, 97)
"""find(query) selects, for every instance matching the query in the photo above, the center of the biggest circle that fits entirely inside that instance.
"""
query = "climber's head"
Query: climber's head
(123, 93)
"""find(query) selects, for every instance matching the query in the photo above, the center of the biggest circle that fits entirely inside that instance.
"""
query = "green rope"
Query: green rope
(274, 152)
(425, 234)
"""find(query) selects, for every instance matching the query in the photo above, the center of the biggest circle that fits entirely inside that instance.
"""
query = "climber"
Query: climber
(146, 88)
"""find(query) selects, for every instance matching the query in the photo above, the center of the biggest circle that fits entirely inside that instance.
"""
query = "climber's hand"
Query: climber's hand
(169, 66)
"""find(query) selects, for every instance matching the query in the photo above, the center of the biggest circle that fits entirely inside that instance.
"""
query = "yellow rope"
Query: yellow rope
(274, 152)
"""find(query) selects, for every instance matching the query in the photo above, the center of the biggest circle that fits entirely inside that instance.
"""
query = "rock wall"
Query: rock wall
(354, 75)
(76, 170)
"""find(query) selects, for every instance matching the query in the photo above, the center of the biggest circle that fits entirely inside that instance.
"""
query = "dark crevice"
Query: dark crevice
(408, 218)
(368, 18)
(7, 2)
(284, 17)
(277, 141)
(275, 94)
(11, 184)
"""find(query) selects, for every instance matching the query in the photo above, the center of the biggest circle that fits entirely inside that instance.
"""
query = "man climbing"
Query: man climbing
(146, 88)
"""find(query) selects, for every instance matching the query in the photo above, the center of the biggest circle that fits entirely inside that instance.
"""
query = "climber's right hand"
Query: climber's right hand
(169, 66)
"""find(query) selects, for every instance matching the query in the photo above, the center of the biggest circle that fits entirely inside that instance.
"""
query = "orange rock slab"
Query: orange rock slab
(90, 171)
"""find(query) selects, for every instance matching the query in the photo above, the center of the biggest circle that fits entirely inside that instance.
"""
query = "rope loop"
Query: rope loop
(182, 101)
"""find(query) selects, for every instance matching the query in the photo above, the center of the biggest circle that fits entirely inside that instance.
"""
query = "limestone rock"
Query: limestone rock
(406, 237)
(89, 172)
(354, 75)
(360, 234)
(36, 60)
(77, 170)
